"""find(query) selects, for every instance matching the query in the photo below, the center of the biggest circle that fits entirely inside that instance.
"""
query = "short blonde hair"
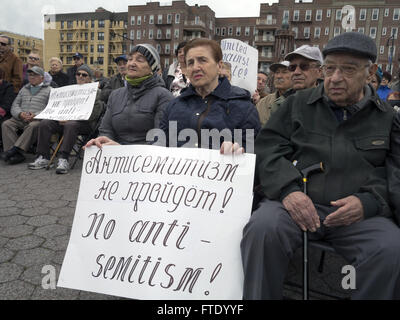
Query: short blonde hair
(55, 59)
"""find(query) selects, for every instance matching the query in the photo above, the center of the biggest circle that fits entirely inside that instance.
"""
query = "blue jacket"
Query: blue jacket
(227, 107)
(383, 92)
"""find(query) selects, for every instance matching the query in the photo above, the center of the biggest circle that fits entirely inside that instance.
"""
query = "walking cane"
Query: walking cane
(306, 173)
(54, 153)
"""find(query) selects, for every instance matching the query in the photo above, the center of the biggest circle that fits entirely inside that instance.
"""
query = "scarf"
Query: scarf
(137, 81)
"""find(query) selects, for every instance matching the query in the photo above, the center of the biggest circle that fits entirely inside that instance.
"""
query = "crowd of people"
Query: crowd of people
(334, 107)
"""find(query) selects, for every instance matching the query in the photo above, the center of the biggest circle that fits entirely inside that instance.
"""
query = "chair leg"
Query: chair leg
(55, 153)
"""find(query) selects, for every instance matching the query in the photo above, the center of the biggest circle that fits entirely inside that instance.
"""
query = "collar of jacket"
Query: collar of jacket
(318, 93)
(222, 91)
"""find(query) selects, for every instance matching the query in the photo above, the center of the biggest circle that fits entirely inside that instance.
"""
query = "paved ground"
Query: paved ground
(36, 215)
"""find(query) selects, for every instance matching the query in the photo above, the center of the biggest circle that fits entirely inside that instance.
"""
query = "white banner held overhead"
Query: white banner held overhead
(244, 61)
(160, 223)
(73, 102)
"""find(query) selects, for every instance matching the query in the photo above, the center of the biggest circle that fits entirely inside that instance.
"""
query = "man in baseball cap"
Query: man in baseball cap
(346, 127)
(305, 65)
(117, 81)
(78, 61)
(282, 83)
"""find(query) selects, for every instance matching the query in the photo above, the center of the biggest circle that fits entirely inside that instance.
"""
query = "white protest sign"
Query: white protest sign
(160, 223)
(70, 103)
(244, 61)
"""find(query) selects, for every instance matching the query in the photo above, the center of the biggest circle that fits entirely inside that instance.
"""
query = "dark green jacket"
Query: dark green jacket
(353, 152)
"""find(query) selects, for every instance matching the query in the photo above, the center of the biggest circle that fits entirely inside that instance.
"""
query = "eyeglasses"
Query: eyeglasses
(80, 74)
(346, 69)
(34, 58)
(3, 44)
(302, 66)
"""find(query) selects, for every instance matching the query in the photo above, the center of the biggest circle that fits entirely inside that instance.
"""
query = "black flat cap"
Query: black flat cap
(352, 42)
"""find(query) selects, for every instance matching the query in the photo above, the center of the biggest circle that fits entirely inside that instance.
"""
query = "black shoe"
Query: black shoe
(5, 156)
(17, 158)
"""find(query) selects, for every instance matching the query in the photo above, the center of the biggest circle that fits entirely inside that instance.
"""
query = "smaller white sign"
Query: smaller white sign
(70, 103)
(244, 61)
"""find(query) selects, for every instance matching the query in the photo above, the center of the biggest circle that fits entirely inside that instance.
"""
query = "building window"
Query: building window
(269, 19)
(139, 20)
(100, 48)
(361, 30)
(382, 50)
(100, 36)
(286, 15)
(70, 24)
(150, 33)
(176, 33)
(69, 48)
(372, 32)
(308, 15)
(92, 24)
(62, 24)
(138, 35)
(317, 32)
(396, 14)
(307, 32)
(151, 19)
(70, 36)
(247, 31)
(177, 18)
(387, 11)
(92, 36)
(169, 18)
(168, 33)
(158, 47)
(328, 13)
(166, 63)
(159, 34)
(296, 32)
(144, 34)
(61, 36)
(132, 20)
(336, 31)
(61, 48)
(132, 35)
(167, 48)
(363, 14)
(91, 48)
(327, 31)
(238, 31)
(375, 14)
(318, 16)
(100, 60)
(223, 32)
(384, 31)
(217, 31)
(230, 31)
(159, 19)
(338, 14)
(394, 32)
(101, 23)
(296, 15)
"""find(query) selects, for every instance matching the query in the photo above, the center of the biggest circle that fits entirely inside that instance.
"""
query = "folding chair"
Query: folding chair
(81, 141)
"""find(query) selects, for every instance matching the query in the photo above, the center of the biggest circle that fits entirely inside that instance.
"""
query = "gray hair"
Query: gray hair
(55, 59)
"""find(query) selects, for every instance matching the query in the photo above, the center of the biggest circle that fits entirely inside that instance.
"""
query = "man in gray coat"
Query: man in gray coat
(31, 100)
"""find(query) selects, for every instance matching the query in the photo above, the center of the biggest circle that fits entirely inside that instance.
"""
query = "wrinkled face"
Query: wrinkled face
(261, 82)
(282, 79)
(34, 78)
(4, 47)
(373, 80)
(33, 59)
(121, 66)
(305, 72)
(55, 66)
(137, 66)
(82, 77)
(202, 69)
(345, 78)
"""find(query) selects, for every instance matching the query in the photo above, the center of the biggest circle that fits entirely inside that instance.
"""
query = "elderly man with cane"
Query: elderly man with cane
(344, 125)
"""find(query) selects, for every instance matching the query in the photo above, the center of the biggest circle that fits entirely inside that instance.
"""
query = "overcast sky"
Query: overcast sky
(25, 16)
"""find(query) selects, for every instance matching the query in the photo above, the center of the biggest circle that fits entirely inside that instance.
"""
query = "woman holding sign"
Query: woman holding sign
(210, 102)
(70, 130)
(136, 108)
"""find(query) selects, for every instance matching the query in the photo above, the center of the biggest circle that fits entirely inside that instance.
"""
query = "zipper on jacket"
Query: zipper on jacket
(201, 119)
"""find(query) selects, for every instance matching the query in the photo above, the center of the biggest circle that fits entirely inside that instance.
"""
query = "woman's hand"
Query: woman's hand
(228, 147)
(100, 142)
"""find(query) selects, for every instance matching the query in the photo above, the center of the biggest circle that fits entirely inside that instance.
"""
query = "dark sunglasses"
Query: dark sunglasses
(3, 44)
(302, 66)
(34, 58)
(80, 74)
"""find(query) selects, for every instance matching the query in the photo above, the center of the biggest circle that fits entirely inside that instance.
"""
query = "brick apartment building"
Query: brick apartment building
(279, 28)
